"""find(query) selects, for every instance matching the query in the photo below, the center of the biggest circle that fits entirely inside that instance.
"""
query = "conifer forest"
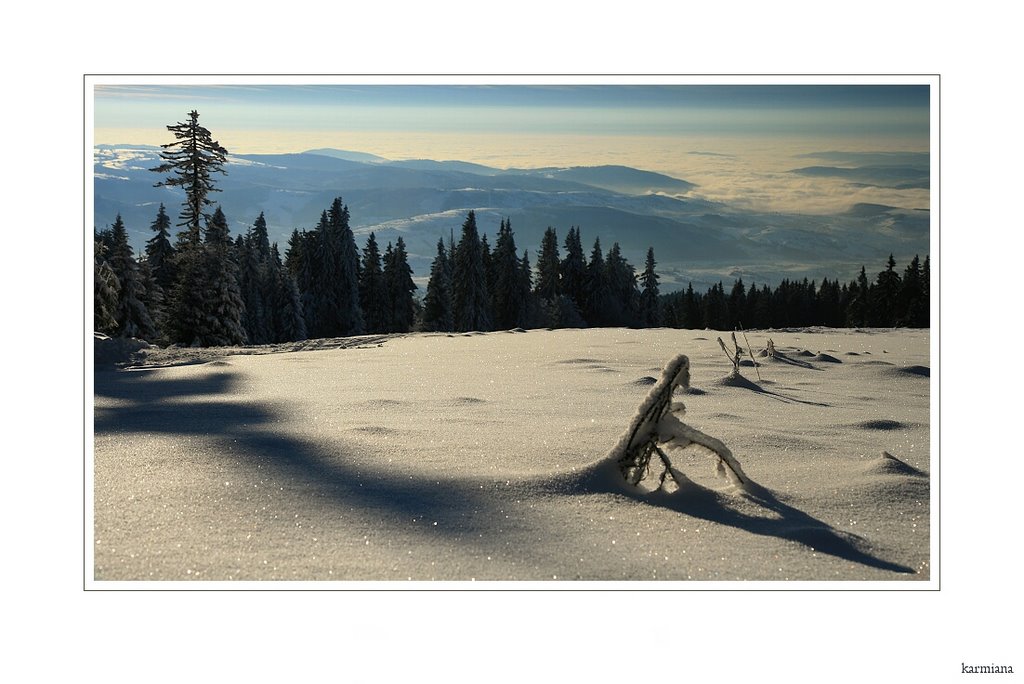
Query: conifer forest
(200, 286)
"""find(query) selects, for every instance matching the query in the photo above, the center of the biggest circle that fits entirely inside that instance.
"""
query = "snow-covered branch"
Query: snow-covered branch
(657, 427)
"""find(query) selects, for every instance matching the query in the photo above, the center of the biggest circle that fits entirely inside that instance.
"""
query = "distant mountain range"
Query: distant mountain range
(424, 200)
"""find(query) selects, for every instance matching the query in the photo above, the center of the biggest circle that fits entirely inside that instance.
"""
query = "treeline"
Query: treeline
(207, 290)
(889, 300)
(473, 287)
(210, 290)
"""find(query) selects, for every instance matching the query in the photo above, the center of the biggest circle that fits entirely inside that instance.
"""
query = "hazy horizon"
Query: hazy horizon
(738, 144)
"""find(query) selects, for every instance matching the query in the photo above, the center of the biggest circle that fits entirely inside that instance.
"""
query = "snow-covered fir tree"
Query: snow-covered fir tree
(437, 303)
(222, 307)
(572, 271)
(547, 266)
(598, 302)
(160, 252)
(153, 298)
(256, 279)
(471, 302)
(133, 318)
(288, 322)
(334, 285)
(625, 296)
(508, 298)
(105, 290)
(649, 313)
(398, 286)
(372, 292)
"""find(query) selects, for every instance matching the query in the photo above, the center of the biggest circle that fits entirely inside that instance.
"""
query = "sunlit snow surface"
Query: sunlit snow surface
(471, 457)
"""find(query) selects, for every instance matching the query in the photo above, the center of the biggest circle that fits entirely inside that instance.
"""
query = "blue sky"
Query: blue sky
(542, 109)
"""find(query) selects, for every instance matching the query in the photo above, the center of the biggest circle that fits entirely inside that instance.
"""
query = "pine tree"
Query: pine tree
(910, 299)
(327, 267)
(160, 253)
(507, 295)
(530, 316)
(222, 307)
(573, 269)
(437, 303)
(105, 291)
(351, 318)
(487, 258)
(926, 288)
(470, 299)
(649, 312)
(372, 292)
(625, 296)
(288, 322)
(737, 304)
(133, 319)
(191, 160)
(293, 255)
(153, 299)
(257, 278)
(596, 311)
(398, 287)
(547, 266)
(860, 293)
(886, 293)
(715, 308)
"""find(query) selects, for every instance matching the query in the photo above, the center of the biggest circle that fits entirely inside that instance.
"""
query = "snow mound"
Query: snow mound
(881, 424)
(738, 381)
(110, 352)
(887, 464)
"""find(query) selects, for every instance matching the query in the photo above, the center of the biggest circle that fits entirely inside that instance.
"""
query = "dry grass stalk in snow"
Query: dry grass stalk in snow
(734, 356)
(657, 427)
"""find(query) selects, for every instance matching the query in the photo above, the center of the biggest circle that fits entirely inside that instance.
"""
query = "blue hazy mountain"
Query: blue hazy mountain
(424, 200)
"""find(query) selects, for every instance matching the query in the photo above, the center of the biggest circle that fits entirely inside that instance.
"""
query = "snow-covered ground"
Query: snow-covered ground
(470, 457)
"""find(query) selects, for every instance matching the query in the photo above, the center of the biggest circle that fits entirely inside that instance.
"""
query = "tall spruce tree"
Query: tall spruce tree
(649, 313)
(599, 296)
(105, 291)
(328, 276)
(160, 252)
(860, 296)
(191, 159)
(398, 287)
(351, 315)
(926, 289)
(373, 294)
(526, 294)
(737, 304)
(910, 300)
(547, 266)
(437, 303)
(572, 270)
(471, 302)
(509, 300)
(886, 294)
(222, 307)
(257, 282)
(133, 318)
(625, 296)
(692, 309)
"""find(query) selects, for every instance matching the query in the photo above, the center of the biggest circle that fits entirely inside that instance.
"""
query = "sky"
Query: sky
(738, 142)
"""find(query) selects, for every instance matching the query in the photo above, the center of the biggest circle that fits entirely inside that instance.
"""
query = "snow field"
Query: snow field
(470, 457)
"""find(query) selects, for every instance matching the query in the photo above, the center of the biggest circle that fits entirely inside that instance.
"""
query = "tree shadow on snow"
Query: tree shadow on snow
(781, 520)
(208, 406)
